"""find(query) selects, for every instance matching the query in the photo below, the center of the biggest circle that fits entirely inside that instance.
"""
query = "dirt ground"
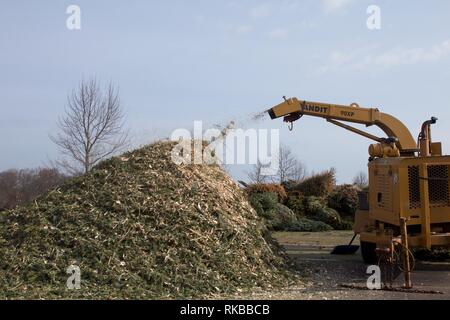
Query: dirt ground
(325, 274)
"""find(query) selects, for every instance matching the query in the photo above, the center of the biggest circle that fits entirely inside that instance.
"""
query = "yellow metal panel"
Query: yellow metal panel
(362, 221)
(436, 148)
(373, 237)
(425, 204)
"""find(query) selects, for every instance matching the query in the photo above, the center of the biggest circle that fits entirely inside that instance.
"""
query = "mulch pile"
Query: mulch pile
(138, 226)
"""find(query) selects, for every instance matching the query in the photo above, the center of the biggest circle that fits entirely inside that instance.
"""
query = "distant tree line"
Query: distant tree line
(19, 187)
(289, 169)
(292, 171)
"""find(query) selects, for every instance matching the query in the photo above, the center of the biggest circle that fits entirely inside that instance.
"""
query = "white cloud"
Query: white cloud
(399, 56)
(243, 29)
(238, 29)
(279, 33)
(335, 5)
(367, 57)
(261, 11)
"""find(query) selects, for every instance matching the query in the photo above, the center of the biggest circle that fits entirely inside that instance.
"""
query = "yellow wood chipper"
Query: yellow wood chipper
(408, 201)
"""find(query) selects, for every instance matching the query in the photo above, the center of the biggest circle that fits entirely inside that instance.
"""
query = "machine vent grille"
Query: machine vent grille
(414, 187)
(384, 195)
(438, 185)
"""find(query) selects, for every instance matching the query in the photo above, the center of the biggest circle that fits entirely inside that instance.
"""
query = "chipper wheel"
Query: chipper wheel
(368, 252)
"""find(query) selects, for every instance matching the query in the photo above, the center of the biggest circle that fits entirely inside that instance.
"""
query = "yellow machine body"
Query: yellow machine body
(415, 188)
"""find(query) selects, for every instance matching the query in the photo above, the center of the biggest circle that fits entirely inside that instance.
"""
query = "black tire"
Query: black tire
(368, 252)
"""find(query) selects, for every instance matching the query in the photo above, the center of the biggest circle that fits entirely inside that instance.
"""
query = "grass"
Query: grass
(335, 237)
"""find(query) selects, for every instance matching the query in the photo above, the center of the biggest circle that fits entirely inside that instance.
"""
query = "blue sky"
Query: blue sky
(215, 61)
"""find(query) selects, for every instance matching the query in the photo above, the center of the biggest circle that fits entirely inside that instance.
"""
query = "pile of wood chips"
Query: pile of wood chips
(138, 226)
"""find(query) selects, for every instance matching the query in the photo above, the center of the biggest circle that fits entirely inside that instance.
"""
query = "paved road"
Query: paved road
(324, 274)
(327, 273)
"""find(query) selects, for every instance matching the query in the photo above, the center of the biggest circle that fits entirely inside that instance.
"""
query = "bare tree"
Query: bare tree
(289, 167)
(92, 127)
(256, 176)
(360, 180)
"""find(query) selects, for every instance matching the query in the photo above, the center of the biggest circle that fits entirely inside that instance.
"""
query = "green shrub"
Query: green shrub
(264, 203)
(345, 225)
(344, 199)
(277, 216)
(282, 218)
(291, 217)
(289, 185)
(316, 209)
(312, 204)
(296, 204)
(328, 216)
(318, 185)
(267, 187)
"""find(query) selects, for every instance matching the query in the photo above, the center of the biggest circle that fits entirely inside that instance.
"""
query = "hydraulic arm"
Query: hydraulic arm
(399, 141)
